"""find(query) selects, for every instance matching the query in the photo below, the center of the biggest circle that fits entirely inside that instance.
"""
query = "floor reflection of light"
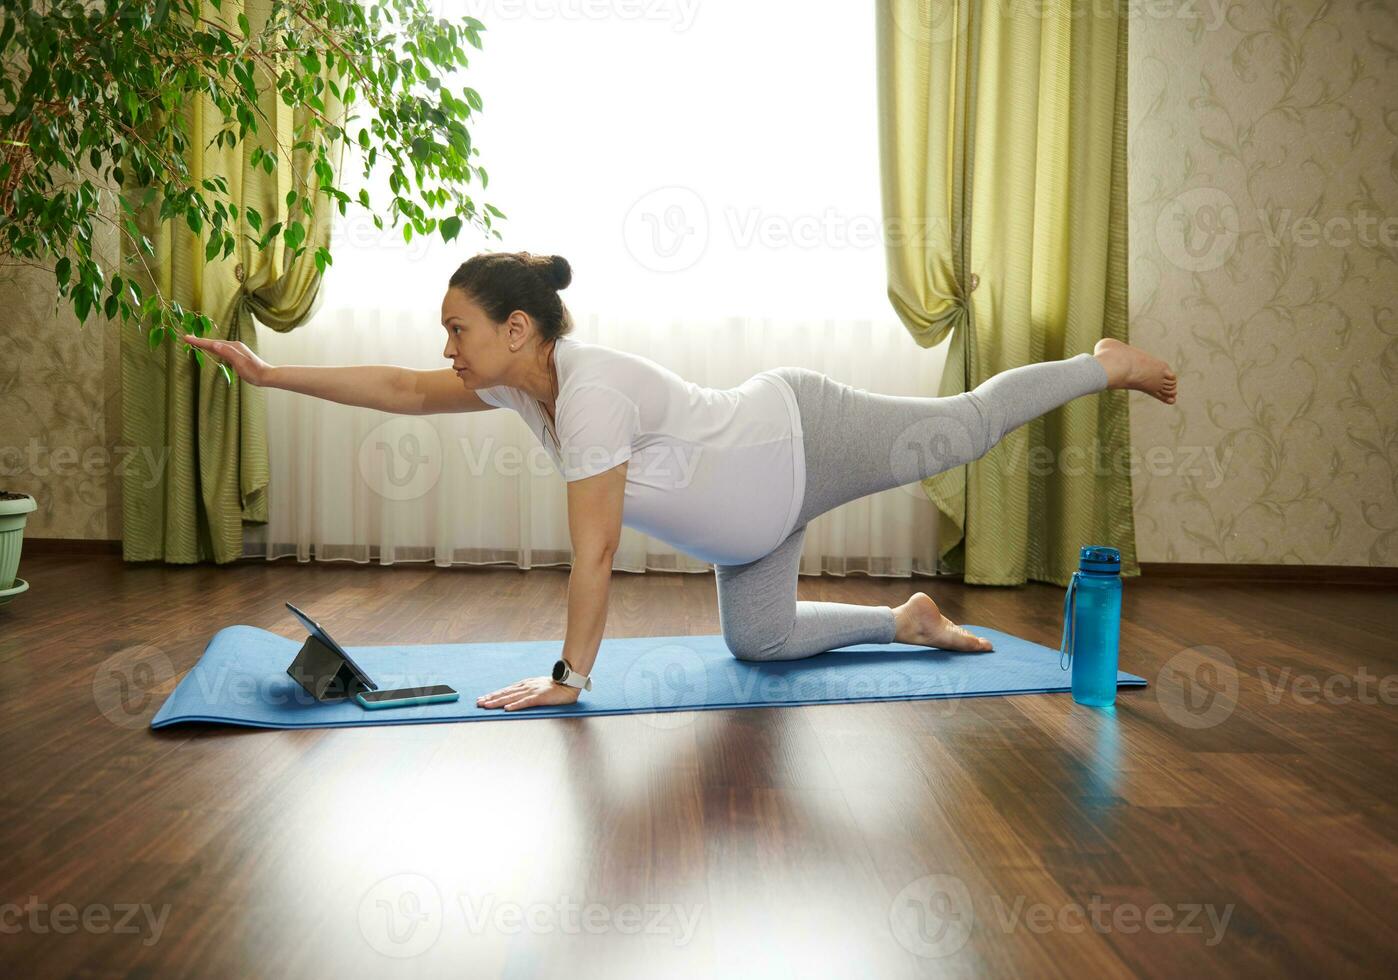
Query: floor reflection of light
(1105, 745)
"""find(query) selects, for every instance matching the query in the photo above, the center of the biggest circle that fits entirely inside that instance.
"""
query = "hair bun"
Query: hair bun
(557, 271)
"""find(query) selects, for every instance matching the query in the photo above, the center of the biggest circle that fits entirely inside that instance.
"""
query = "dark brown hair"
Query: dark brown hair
(502, 282)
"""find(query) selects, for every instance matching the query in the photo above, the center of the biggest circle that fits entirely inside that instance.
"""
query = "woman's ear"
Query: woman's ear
(517, 328)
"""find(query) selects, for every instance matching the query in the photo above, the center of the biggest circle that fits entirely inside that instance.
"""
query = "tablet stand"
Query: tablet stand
(324, 673)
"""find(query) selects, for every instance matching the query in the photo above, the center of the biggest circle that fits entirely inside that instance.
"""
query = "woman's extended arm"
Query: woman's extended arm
(402, 391)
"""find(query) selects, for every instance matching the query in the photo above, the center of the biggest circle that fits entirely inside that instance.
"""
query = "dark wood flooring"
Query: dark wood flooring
(1236, 818)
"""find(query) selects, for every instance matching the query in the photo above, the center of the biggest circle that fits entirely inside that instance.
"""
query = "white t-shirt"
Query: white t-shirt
(719, 474)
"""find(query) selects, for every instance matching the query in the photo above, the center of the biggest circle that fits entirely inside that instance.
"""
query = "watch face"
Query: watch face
(560, 670)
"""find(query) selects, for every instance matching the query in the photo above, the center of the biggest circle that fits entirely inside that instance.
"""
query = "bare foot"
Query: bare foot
(1131, 367)
(920, 622)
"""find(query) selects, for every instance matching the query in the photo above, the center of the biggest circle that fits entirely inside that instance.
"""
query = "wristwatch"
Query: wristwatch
(565, 674)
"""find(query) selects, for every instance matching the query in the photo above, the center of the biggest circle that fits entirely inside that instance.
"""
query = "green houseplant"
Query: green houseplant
(14, 510)
(98, 85)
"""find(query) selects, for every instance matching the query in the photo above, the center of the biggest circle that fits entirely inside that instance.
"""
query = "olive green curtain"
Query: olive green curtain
(1002, 132)
(201, 467)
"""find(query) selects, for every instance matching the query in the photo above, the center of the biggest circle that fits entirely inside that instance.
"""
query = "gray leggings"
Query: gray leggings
(857, 443)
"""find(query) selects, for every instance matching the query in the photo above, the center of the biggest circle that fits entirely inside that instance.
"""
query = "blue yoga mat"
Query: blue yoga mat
(241, 678)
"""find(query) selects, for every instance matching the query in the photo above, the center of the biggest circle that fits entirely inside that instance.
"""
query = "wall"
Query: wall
(60, 405)
(1264, 220)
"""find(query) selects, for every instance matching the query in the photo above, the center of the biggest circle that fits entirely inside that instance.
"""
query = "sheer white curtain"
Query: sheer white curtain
(710, 171)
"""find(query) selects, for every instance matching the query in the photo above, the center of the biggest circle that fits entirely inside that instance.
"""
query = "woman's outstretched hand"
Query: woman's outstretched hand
(532, 692)
(236, 354)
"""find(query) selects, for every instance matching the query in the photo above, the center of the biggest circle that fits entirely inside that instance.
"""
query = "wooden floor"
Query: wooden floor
(1225, 821)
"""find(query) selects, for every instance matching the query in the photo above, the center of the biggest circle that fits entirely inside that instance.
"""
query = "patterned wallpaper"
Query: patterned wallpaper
(1264, 240)
(1264, 234)
(60, 406)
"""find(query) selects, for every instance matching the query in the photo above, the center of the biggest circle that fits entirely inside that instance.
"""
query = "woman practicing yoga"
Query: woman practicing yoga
(730, 476)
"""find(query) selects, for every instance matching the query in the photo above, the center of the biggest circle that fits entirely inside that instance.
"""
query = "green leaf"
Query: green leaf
(118, 74)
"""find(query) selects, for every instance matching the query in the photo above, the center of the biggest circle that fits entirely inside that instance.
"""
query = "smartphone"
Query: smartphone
(403, 697)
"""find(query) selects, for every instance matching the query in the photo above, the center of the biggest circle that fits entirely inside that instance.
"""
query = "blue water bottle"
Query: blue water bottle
(1092, 625)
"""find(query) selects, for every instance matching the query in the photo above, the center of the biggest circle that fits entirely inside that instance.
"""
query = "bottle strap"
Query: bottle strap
(1070, 617)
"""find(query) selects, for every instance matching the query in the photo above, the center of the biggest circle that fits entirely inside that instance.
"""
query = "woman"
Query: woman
(730, 476)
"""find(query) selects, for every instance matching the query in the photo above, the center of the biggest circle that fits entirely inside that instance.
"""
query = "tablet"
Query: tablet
(319, 633)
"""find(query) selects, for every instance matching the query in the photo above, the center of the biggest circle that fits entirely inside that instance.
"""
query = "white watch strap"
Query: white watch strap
(574, 679)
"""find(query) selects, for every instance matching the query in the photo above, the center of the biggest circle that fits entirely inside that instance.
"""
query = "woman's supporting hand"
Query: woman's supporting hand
(532, 692)
(236, 354)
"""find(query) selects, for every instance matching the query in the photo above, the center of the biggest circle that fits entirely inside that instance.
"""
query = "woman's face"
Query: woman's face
(476, 348)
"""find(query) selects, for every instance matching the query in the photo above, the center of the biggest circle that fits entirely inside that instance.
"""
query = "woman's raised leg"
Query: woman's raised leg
(862, 442)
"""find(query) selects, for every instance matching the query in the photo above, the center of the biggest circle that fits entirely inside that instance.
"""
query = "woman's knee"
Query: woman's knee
(756, 644)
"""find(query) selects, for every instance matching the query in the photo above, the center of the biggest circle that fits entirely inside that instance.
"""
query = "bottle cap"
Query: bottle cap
(1100, 559)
